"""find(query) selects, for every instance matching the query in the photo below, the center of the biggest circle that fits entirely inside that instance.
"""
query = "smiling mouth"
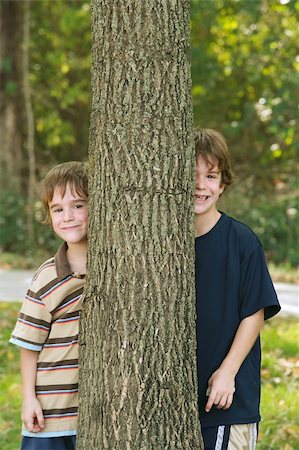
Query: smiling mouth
(201, 197)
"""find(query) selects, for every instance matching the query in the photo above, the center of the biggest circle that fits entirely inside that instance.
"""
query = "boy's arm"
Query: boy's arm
(221, 385)
(32, 414)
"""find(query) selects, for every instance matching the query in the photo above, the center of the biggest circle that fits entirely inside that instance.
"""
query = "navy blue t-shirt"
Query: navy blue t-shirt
(232, 282)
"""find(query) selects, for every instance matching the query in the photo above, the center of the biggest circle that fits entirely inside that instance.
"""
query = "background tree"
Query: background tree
(245, 83)
(59, 84)
(137, 339)
(11, 161)
(31, 181)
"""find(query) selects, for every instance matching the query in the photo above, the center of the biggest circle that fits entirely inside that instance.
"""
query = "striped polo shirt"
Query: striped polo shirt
(49, 324)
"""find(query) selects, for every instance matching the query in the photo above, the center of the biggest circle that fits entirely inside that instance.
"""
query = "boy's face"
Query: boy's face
(69, 215)
(208, 187)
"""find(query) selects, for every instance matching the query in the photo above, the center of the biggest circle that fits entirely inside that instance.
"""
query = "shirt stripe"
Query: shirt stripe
(71, 391)
(49, 323)
(43, 296)
(24, 344)
(33, 325)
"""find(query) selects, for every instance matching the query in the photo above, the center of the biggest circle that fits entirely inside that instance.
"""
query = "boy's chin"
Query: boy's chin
(76, 241)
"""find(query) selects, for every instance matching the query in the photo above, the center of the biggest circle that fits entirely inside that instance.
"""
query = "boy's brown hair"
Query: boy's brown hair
(72, 173)
(211, 146)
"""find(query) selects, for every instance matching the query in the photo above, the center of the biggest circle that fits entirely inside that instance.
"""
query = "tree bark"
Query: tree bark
(138, 387)
(11, 160)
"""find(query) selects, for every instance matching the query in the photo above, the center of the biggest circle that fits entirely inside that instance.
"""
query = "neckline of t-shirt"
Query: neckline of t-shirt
(78, 275)
(217, 224)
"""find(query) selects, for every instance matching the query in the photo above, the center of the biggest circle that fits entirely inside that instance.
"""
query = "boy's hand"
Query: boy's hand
(221, 388)
(32, 415)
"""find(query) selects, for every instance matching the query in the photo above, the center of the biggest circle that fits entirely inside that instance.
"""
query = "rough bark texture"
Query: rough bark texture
(10, 94)
(137, 352)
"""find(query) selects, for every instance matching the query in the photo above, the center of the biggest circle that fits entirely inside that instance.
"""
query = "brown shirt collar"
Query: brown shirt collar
(63, 268)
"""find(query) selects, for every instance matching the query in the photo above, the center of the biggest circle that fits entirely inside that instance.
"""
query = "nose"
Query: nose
(68, 214)
(199, 181)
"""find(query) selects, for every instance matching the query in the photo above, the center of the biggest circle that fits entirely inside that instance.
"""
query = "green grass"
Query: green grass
(279, 429)
(10, 380)
(284, 273)
(280, 375)
(23, 262)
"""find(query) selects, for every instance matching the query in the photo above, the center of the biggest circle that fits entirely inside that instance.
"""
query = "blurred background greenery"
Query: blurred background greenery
(245, 84)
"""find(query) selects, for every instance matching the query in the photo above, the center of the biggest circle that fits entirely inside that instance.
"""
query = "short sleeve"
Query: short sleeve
(33, 324)
(257, 290)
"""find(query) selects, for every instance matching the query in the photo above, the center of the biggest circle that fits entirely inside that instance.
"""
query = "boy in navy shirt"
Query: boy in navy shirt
(234, 295)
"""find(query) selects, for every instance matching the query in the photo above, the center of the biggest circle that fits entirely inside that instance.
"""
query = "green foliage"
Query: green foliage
(245, 83)
(279, 428)
(277, 227)
(14, 229)
(59, 76)
(275, 222)
(10, 87)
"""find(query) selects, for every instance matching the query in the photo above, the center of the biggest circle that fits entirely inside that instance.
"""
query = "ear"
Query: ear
(222, 189)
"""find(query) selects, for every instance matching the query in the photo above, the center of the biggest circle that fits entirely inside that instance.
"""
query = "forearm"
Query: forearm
(28, 371)
(221, 385)
(243, 342)
(32, 414)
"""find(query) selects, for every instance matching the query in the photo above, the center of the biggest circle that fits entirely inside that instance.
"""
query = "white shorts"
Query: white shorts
(230, 437)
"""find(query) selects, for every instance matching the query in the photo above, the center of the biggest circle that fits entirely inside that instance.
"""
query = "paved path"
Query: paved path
(14, 283)
(288, 295)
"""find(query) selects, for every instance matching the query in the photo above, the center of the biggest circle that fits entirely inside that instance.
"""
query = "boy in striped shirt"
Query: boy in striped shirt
(48, 324)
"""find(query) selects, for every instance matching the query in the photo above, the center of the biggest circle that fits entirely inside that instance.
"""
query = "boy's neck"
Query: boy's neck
(205, 222)
(77, 257)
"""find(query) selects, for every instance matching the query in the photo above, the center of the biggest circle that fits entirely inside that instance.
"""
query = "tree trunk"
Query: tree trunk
(10, 95)
(30, 123)
(138, 387)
